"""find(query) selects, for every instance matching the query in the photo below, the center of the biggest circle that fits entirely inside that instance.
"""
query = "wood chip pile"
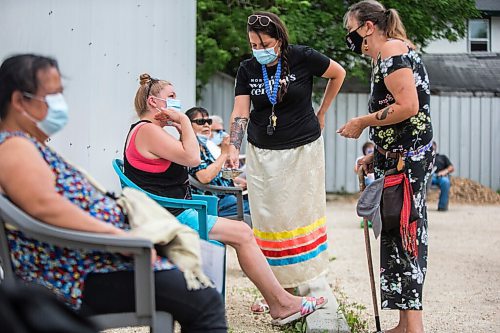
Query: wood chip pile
(464, 190)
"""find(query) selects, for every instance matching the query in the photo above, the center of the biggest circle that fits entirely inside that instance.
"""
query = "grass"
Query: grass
(352, 311)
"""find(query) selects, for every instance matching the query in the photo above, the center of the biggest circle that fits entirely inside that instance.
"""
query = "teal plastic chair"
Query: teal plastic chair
(203, 204)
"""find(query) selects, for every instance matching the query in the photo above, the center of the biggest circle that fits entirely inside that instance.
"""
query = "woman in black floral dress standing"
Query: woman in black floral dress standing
(400, 125)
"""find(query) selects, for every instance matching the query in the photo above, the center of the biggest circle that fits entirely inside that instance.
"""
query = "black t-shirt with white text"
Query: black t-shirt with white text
(297, 123)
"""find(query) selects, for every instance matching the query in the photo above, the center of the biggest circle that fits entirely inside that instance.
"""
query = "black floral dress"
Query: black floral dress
(401, 276)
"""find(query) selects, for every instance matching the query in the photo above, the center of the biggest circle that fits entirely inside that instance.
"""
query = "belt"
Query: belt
(390, 154)
(395, 153)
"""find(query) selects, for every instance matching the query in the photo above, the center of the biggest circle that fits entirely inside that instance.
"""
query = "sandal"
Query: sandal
(308, 306)
(260, 307)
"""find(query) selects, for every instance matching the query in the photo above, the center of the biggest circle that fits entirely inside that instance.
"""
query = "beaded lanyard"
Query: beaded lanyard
(272, 96)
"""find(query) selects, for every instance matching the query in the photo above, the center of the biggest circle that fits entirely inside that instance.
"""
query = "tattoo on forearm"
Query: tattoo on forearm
(381, 115)
(238, 128)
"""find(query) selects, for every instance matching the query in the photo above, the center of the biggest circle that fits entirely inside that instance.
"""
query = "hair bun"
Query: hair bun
(144, 79)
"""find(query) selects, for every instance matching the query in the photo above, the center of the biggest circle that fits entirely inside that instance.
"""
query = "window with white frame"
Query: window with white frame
(479, 35)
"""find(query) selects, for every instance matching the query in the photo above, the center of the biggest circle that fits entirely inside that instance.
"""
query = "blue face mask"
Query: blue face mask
(202, 138)
(171, 103)
(57, 113)
(174, 104)
(218, 137)
(265, 56)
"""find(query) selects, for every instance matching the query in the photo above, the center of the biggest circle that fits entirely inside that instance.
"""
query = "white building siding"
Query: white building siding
(461, 46)
(465, 128)
(102, 48)
(445, 46)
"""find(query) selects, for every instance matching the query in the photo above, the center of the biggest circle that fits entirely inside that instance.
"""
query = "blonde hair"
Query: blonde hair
(147, 86)
(387, 20)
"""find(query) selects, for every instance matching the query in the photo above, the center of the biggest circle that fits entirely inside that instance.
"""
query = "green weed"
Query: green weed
(297, 327)
(352, 311)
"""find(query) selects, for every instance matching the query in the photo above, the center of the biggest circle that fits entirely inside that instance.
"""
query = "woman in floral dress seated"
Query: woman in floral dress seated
(40, 182)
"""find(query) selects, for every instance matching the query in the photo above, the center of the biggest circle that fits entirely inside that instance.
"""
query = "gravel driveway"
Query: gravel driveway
(462, 288)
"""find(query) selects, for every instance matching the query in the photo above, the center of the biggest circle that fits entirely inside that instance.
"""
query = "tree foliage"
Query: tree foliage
(222, 40)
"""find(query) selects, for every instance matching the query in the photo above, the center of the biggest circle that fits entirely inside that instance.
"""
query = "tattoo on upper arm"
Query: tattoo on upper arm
(238, 128)
(381, 115)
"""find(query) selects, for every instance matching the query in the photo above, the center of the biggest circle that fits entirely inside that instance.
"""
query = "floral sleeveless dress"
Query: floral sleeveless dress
(63, 270)
(402, 277)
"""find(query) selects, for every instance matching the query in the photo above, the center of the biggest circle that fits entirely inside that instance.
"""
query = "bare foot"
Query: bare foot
(260, 306)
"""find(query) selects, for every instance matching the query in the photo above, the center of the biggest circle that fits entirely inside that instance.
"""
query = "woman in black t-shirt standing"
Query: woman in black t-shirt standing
(285, 156)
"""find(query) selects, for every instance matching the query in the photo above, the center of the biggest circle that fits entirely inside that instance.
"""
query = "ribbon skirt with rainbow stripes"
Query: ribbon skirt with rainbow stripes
(286, 190)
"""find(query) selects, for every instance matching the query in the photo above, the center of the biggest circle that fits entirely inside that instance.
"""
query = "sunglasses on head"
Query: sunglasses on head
(262, 19)
(151, 82)
(202, 121)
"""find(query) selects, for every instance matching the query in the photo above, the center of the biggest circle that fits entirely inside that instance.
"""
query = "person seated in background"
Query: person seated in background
(217, 134)
(40, 182)
(367, 149)
(209, 171)
(216, 137)
(157, 162)
(441, 177)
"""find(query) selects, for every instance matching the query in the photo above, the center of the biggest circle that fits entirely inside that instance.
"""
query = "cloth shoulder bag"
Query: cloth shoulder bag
(398, 210)
(173, 240)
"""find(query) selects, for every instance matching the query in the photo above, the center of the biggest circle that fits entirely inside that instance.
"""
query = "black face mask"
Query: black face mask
(354, 41)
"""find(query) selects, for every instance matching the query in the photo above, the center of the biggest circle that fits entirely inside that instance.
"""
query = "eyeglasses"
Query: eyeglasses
(202, 121)
(350, 32)
(31, 96)
(262, 19)
(218, 130)
(46, 99)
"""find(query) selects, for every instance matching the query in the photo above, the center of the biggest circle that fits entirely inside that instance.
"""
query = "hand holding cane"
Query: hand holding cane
(361, 179)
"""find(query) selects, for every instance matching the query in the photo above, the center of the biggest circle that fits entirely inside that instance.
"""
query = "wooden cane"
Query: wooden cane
(361, 179)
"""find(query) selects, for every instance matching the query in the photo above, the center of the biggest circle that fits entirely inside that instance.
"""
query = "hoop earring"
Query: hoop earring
(365, 45)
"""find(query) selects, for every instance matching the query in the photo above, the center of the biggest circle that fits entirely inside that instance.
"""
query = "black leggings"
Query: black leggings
(196, 310)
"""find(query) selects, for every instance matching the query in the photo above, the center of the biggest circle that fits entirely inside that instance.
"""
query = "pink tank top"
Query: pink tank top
(134, 157)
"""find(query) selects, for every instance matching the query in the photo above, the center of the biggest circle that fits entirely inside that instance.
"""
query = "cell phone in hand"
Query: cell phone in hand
(231, 173)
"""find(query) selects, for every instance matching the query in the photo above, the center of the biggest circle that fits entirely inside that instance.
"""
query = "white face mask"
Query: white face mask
(218, 137)
(202, 138)
(57, 113)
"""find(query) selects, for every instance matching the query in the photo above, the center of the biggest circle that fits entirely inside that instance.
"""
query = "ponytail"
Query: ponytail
(394, 27)
(387, 20)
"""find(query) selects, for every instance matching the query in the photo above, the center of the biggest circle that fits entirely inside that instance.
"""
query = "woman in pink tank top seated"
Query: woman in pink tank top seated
(157, 162)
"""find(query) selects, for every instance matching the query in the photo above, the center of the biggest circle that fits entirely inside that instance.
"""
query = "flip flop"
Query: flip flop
(263, 307)
(308, 306)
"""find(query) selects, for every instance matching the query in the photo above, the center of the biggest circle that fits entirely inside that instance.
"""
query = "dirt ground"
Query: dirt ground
(462, 289)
